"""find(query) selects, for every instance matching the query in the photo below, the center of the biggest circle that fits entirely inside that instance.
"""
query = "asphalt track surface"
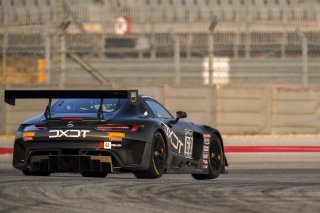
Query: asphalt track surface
(246, 188)
(256, 182)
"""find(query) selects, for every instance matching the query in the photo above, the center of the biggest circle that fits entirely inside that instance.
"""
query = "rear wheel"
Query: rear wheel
(158, 159)
(215, 160)
(94, 174)
(28, 173)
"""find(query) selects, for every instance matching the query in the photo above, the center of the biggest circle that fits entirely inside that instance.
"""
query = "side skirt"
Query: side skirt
(179, 164)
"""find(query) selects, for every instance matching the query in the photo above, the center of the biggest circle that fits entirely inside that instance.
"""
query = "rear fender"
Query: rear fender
(216, 132)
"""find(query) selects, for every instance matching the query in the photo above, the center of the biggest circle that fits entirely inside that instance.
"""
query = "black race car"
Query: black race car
(106, 131)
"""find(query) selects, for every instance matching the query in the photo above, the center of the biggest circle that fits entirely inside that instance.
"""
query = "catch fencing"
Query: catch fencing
(159, 31)
(150, 30)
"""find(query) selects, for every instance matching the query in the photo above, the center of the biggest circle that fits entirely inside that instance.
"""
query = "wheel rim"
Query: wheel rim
(216, 155)
(158, 155)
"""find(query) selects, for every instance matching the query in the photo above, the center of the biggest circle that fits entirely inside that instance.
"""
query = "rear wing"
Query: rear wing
(10, 96)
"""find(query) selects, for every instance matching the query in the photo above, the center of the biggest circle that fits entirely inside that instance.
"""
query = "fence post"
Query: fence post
(210, 58)
(304, 47)
(248, 31)
(269, 114)
(153, 47)
(47, 55)
(153, 40)
(284, 41)
(189, 45)
(212, 111)
(176, 40)
(305, 62)
(63, 62)
(177, 61)
(212, 27)
(4, 57)
(236, 44)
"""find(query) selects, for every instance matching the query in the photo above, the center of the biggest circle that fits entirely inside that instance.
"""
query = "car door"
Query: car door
(179, 134)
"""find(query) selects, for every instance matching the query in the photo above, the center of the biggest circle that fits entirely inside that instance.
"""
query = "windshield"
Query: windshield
(86, 105)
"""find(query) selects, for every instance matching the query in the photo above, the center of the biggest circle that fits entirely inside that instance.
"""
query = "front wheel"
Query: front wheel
(158, 159)
(215, 160)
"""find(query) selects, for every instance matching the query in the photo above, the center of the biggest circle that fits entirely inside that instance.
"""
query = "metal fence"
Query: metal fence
(257, 29)
(54, 30)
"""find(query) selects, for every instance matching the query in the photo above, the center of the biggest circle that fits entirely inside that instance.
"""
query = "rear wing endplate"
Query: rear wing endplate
(10, 96)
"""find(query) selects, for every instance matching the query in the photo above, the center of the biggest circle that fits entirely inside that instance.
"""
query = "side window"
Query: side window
(158, 110)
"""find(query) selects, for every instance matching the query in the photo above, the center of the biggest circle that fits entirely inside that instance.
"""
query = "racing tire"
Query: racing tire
(94, 174)
(28, 173)
(216, 160)
(158, 159)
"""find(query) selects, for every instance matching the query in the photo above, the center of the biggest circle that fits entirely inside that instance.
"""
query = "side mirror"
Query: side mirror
(179, 114)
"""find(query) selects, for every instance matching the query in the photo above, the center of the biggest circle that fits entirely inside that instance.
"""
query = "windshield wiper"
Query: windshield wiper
(47, 112)
(100, 110)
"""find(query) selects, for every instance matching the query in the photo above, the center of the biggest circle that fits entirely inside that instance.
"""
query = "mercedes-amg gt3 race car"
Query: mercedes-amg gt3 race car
(107, 131)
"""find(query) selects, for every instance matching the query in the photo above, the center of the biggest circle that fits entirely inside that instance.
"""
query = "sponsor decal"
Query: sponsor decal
(173, 139)
(69, 133)
(206, 141)
(122, 25)
(116, 134)
(133, 97)
(205, 156)
(188, 143)
(117, 145)
(177, 144)
(27, 138)
(115, 139)
(107, 145)
(70, 124)
(206, 136)
(205, 161)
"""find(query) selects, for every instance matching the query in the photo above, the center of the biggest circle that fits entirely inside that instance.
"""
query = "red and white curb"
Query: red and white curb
(238, 144)
(271, 149)
(237, 149)
(6, 150)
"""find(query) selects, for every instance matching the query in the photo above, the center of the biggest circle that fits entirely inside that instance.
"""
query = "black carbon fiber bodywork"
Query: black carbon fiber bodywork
(73, 143)
(131, 153)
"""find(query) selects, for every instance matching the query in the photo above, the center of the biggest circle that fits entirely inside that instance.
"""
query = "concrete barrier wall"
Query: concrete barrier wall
(268, 109)
(232, 109)
(295, 110)
(198, 102)
(23, 110)
(244, 109)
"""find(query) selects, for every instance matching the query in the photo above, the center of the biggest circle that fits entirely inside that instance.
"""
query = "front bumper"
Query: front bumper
(78, 156)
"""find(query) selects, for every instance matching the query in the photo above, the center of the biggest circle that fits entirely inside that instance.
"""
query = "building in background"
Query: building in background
(247, 28)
